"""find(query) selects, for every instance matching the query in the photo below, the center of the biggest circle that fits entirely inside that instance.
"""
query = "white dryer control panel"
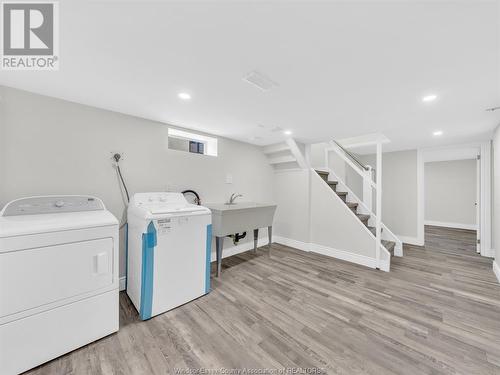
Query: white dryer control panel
(52, 204)
(159, 198)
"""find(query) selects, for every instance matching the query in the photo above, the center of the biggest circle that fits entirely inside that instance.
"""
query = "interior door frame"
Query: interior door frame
(460, 152)
(478, 203)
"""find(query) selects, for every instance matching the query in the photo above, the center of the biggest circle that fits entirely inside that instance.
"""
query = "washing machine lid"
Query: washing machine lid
(176, 209)
(165, 203)
(34, 215)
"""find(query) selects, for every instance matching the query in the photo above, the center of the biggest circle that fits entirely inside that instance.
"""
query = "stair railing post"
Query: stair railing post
(379, 203)
(367, 188)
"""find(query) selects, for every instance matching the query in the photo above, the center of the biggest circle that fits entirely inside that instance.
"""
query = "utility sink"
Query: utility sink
(241, 216)
(228, 219)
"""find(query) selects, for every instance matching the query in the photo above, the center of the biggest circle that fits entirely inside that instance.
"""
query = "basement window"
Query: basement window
(181, 140)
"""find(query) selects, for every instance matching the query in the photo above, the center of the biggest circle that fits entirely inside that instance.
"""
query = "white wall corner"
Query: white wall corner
(496, 269)
(420, 240)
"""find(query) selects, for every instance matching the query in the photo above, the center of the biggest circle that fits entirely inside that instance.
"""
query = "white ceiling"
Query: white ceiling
(343, 68)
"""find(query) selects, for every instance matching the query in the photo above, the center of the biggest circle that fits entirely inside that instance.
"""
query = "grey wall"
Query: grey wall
(450, 192)
(335, 163)
(317, 155)
(50, 146)
(291, 194)
(354, 180)
(399, 191)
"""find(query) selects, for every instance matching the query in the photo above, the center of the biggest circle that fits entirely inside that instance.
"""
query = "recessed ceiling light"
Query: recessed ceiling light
(429, 98)
(184, 96)
(437, 133)
(287, 132)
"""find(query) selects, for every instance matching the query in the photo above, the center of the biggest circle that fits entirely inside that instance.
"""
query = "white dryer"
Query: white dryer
(169, 251)
(58, 278)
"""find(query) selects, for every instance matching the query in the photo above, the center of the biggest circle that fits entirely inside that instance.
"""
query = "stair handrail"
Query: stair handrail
(353, 157)
(367, 170)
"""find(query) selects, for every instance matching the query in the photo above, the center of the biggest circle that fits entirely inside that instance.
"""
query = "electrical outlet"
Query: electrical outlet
(229, 178)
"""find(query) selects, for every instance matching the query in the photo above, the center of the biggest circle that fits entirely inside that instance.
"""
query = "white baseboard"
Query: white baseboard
(123, 283)
(410, 240)
(334, 253)
(304, 246)
(349, 256)
(451, 225)
(489, 253)
(496, 269)
(241, 248)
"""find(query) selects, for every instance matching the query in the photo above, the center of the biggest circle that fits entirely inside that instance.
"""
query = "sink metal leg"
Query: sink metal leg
(255, 239)
(270, 234)
(219, 243)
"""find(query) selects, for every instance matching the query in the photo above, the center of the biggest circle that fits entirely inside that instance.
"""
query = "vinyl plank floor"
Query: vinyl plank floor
(436, 312)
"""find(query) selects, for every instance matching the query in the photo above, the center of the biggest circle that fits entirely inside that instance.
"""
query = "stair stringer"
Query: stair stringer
(386, 234)
(336, 231)
(286, 156)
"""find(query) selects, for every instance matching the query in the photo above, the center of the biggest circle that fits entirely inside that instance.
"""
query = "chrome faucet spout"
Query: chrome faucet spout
(233, 198)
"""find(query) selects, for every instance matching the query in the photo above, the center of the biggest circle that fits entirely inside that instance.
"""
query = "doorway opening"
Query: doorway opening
(455, 191)
(452, 196)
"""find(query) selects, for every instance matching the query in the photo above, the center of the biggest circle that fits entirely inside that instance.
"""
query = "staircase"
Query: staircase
(286, 155)
(331, 219)
(364, 218)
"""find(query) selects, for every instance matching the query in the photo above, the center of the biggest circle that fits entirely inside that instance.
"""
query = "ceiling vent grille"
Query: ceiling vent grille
(260, 81)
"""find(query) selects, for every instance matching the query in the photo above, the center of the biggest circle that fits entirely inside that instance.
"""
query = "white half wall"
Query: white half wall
(311, 217)
(51, 146)
(334, 225)
(450, 193)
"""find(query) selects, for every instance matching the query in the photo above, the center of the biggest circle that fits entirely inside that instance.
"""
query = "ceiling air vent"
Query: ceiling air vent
(260, 81)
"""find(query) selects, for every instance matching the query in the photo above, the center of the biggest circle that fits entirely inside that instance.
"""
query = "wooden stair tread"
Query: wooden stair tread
(322, 173)
(373, 230)
(351, 204)
(332, 182)
(344, 193)
(363, 217)
(389, 245)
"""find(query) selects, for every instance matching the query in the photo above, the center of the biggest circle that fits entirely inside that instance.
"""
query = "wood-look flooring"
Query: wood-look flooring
(436, 312)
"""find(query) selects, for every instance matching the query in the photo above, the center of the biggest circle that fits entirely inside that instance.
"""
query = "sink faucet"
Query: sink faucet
(233, 198)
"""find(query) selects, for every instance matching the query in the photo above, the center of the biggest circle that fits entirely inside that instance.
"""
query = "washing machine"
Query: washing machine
(169, 252)
(58, 278)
